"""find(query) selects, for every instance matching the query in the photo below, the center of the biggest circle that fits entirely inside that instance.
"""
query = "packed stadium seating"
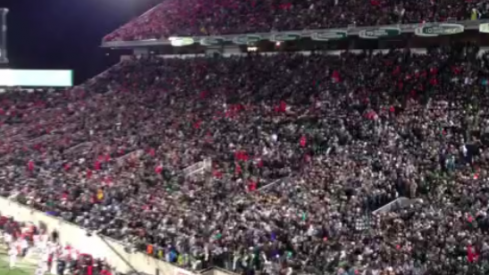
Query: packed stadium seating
(213, 17)
(349, 139)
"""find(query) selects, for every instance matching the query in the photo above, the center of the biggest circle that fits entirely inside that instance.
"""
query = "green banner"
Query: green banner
(484, 28)
(212, 41)
(439, 29)
(378, 33)
(246, 39)
(281, 37)
(328, 35)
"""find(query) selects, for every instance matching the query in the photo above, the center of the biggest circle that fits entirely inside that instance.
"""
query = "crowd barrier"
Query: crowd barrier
(99, 247)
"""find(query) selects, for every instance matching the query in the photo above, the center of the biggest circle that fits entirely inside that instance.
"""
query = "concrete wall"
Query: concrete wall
(220, 271)
(73, 235)
(235, 52)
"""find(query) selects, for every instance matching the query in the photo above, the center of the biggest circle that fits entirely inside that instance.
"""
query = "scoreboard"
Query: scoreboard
(36, 78)
(3, 36)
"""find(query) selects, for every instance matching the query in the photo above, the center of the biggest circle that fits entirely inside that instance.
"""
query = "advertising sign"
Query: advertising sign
(378, 33)
(281, 37)
(439, 29)
(181, 41)
(36, 78)
(212, 41)
(484, 28)
(246, 39)
(328, 35)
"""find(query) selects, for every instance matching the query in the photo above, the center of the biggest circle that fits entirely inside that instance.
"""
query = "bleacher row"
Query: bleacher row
(349, 139)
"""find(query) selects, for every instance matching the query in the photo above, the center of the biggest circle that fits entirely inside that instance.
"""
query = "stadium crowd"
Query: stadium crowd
(335, 142)
(216, 17)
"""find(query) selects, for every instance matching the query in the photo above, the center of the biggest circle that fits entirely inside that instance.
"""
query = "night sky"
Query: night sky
(66, 34)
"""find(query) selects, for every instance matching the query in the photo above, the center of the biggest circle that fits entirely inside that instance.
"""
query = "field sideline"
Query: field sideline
(24, 266)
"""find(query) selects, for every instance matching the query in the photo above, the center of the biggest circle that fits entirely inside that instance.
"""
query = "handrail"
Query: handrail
(273, 183)
(118, 254)
(401, 201)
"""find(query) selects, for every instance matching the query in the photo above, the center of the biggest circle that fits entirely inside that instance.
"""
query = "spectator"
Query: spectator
(201, 18)
(337, 142)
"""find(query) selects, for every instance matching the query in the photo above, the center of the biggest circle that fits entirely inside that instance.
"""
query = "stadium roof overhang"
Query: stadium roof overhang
(320, 35)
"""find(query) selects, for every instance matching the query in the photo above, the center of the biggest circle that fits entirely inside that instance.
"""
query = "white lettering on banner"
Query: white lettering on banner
(285, 37)
(484, 28)
(439, 29)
